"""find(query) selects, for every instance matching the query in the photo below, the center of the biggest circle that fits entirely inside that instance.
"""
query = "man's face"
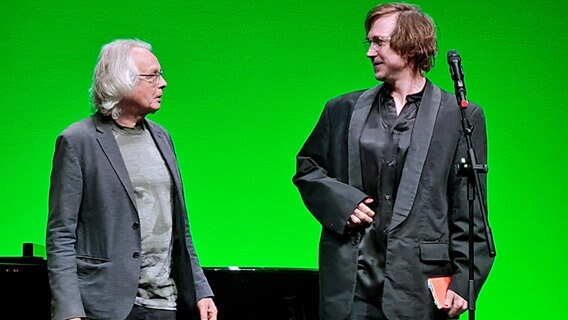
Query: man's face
(387, 64)
(146, 96)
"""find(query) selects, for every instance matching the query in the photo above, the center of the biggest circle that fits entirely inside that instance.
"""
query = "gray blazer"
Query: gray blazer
(427, 235)
(93, 240)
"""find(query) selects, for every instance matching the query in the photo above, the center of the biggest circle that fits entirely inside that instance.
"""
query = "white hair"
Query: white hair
(115, 75)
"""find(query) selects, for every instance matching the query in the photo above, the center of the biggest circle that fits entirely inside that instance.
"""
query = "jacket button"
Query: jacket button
(136, 255)
(135, 225)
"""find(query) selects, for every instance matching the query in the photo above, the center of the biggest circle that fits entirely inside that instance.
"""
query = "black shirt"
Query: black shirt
(384, 143)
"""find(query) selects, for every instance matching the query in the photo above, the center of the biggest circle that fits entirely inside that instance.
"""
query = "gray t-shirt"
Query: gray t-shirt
(152, 186)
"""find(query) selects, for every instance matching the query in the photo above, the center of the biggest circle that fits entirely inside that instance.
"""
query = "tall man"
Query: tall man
(378, 173)
(118, 241)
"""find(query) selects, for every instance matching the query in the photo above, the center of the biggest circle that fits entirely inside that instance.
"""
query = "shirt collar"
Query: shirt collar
(386, 89)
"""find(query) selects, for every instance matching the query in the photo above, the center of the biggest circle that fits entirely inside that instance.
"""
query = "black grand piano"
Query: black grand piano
(241, 293)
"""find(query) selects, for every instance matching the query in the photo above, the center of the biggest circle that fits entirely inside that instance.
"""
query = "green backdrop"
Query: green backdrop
(247, 81)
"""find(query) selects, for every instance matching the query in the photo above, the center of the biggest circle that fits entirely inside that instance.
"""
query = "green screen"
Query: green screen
(247, 81)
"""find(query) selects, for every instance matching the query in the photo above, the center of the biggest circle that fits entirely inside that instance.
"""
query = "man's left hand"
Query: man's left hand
(207, 309)
(454, 304)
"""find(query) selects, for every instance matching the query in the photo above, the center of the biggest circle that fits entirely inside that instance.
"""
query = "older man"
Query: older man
(118, 241)
(378, 173)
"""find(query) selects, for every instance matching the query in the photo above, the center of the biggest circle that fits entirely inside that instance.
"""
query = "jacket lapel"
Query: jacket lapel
(360, 113)
(106, 140)
(165, 148)
(417, 152)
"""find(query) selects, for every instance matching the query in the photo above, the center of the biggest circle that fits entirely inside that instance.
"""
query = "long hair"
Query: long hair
(115, 76)
(414, 37)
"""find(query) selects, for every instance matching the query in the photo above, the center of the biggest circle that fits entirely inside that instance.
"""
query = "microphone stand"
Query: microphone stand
(470, 168)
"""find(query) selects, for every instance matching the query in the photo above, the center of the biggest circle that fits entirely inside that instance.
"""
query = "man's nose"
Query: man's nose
(372, 52)
(162, 82)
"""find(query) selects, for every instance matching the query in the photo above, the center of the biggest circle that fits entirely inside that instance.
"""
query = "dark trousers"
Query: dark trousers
(141, 313)
(366, 310)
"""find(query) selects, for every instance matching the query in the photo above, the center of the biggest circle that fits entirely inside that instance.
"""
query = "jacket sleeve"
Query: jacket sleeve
(459, 215)
(65, 195)
(329, 199)
(202, 287)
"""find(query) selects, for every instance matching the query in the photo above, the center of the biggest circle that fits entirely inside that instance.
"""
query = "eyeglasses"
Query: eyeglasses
(152, 77)
(376, 43)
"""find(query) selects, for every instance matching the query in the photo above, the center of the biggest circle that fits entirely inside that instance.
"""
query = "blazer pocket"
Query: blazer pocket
(88, 267)
(434, 251)
(92, 259)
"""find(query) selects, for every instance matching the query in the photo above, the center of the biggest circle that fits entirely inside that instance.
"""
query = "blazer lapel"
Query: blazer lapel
(164, 146)
(360, 113)
(417, 152)
(106, 140)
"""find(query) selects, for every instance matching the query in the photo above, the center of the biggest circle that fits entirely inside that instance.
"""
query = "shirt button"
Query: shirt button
(136, 255)
(135, 225)
(387, 197)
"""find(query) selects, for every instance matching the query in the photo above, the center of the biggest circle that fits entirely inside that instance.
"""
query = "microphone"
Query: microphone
(454, 60)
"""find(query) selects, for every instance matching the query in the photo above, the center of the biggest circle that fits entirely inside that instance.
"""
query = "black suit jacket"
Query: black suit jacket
(93, 242)
(427, 235)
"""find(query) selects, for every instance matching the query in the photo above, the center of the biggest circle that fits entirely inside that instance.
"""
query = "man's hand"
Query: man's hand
(361, 215)
(207, 309)
(454, 304)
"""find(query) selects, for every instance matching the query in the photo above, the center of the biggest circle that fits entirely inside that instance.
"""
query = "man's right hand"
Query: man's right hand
(361, 215)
